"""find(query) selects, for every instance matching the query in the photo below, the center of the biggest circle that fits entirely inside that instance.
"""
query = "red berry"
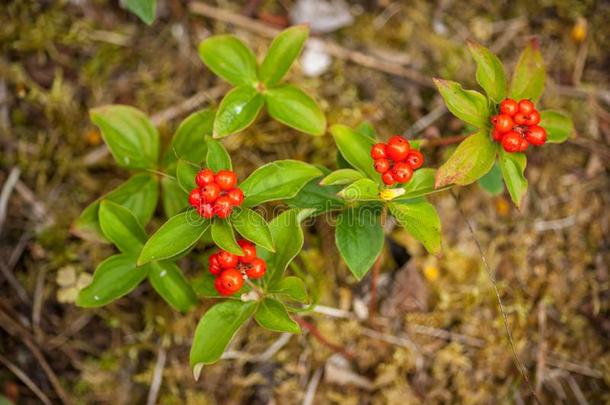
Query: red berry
(205, 210)
(532, 119)
(509, 106)
(415, 159)
(398, 148)
(402, 172)
(214, 264)
(205, 176)
(226, 260)
(223, 207)
(378, 151)
(511, 142)
(236, 196)
(195, 198)
(526, 107)
(388, 178)
(220, 288)
(493, 120)
(496, 135)
(536, 135)
(520, 118)
(210, 192)
(257, 269)
(249, 251)
(504, 123)
(382, 165)
(225, 179)
(231, 280)
(523, 144)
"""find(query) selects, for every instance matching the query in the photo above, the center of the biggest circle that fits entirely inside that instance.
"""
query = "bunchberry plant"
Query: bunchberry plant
(210, 210)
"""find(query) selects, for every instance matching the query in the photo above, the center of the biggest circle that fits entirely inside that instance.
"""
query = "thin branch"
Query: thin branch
(155, 384)
(321, 338)
(20, 374)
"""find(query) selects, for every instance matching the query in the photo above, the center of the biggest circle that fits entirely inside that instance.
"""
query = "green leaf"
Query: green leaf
(472, 159)
(146, 10)
(121, 227)
(490, 72)
(138, 194)
(216, 329)
(292, 287)
(167, 279)
(186, 173)
(359, 238)
(252, 226)
(492, 181)
(320, 198)
(367, 129)
(529, 75)
(422, 183)
(229, 58)
(468, 105)
(217, 157)
(281, 54)
(341, 176)
(223, 236)
(293, 107)
(271, 314)
(278, 180)
(204, 287)
(130, 136)
(421, 220)
(174, 198)
(287, 234)
(188, 142)
(177, 235)
(361, 190)
(113, 278)
(356, 149)
(558, 126)
(237, 110)
(513, 168)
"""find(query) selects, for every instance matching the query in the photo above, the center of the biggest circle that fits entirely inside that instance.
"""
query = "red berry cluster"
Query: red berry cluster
(230, 270)
(516, 127)
(395, 160)
(215, 194)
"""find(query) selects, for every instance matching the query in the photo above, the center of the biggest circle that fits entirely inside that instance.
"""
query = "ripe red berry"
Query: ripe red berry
(214, 264)
(536, 135)
(523, 144)
(388, 178)
(398, 148)
(496, 135)
(493, 120)
(223, 207)
(236, 196)
(532, 119)
(402, 172)
(225, 179)
(382, 165)
(526, 107)
(231, 280)
(509, 106)
(415, 159)
(220, 288)
(520, 118)
(378, 151)
(257, 269)
(205, 176)
(504, 123)
(195, 198)
(249, 251)
(210, 192)
(226, 260)
(511, 142)
(206, 210)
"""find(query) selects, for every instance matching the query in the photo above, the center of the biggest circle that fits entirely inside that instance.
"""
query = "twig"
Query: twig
(264, 356)
(401, 341)
(427, 120)
(492, 279)
(540, 358)
(448, 140)
(312, 387)
(7, 190)
(20, 374)
(155, 384)
(320, 338)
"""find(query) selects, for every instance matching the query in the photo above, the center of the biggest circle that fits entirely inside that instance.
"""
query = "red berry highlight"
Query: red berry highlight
(415, 159)
(536, 135)
(231, 280)
(504, 123)
(382, 165)
(511, 142)
(526, 107)
(257, 269)
(388, 178)
(225, 179)
(398, 148)
(205, 176)
(378, 151)
(249, 251)
(227, 260)
(509, 107)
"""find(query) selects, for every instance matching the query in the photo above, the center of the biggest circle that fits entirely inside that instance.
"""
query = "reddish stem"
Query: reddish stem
(321, 338)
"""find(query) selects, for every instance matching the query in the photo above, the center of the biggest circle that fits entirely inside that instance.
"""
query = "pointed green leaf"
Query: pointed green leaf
(113, 278)
(490, 72)
(513, 168)
(341, 176)
(361, 190)
(421, 220)
(237, 110)
(367, 129)
(468, 105)
(169, 282)
(292, 287)
(472, 159)
(186, 173)
(223, 236)
(492, 181)
(281, 54)
(320, 198)
(146, 10)
(558, 126)
(216, 329)
(174, 198)
(252, 226)
(356, 149)
(217, 157)
(131, 137)
(121, 227)
(271, 314)
(277, 180)
(188, 142)
(422, 183)
(529, 75)
(293, 107)
(229, 58)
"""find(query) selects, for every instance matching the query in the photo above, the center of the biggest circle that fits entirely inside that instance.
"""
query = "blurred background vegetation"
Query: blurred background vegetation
(437, 337)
